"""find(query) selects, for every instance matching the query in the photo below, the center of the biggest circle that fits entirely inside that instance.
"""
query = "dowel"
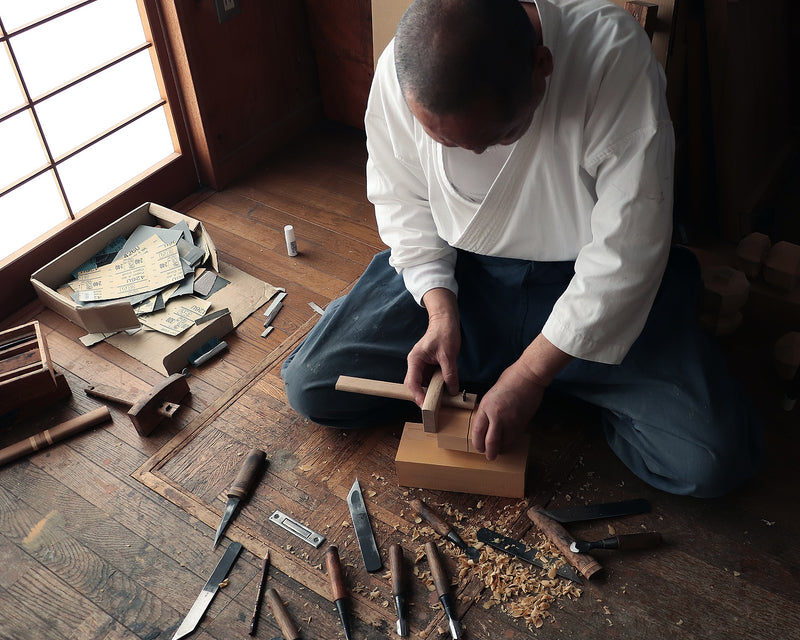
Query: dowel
(54, 434)
(399, 391)
(285, 622)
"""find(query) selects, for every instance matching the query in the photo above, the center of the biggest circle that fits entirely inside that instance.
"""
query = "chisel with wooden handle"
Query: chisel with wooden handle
(399, 588)
(338, 588)
(442, 528)
(623, 542)
(442, 587)
(241, 488)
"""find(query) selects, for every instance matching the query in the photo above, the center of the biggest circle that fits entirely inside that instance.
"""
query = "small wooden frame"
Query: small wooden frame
(27, 376)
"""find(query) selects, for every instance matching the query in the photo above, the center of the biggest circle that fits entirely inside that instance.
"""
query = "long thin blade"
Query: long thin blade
(363, 528)
(598, 511)
(226, 518)
(523, 552)
(200, 605)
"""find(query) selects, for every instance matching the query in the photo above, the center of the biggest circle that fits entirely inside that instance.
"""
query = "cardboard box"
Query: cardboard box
(166, 354)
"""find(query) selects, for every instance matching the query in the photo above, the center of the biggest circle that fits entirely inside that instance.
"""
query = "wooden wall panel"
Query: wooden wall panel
(249, 84)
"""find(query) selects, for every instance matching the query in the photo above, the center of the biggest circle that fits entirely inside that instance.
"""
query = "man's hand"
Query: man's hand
(508, 407)
(439, 346)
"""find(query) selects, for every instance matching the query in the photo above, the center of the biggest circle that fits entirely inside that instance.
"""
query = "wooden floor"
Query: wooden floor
(89, 552)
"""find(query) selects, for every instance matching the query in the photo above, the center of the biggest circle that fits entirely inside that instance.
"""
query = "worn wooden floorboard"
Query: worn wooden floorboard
(107, 536)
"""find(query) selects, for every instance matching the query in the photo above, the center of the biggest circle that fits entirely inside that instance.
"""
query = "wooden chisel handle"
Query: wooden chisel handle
(107, 392)
(439, 525)
(587, 565)
(54, 434)
(335, 575)
(437, 569)
(396, 564)
(247, 475)
(285, 622)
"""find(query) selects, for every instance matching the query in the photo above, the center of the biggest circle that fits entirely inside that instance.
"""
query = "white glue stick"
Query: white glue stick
(291, 243)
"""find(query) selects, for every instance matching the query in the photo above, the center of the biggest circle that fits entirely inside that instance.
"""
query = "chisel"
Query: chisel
(399, 588)
(443, 529)
(442, 587)
(240, 488)
(338, 588)
(625, 542)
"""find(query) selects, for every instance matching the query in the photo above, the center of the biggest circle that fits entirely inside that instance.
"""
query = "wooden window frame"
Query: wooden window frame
(167, 182)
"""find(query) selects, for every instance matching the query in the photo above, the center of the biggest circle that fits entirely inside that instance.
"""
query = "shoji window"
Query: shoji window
(83, 112)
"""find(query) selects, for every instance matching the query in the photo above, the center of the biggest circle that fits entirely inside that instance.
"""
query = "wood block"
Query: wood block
(432, 402)
(421, 463)
(782, 265)
(750, 253)
(453, 429)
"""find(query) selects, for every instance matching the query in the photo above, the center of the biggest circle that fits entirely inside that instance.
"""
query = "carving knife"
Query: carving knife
(202, 602)
(364, 534)
(241, 488)
(523, 552)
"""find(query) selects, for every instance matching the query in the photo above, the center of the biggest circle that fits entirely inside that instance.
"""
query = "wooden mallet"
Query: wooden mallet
(148, 410)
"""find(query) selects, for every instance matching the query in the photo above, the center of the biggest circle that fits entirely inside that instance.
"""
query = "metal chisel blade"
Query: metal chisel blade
(597, 511)
(230, 507)
(200, 605)
(523, 552)
(363, 528)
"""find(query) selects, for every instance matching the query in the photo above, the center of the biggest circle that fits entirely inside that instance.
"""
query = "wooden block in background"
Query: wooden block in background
(750, 254)
(421, 463)
(725, 290)
(782, 265)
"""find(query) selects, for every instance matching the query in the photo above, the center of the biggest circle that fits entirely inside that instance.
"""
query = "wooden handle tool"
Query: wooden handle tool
(54, 434)
(338, 588)
(587, 565)
(442, 587)
(399, 588)
(443, 528)
(623, 542)
(399, 391)
(285, 622)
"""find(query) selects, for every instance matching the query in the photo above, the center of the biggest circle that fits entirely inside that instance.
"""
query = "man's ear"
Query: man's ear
(542, 61)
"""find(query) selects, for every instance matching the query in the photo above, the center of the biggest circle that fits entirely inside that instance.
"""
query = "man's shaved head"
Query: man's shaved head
(452, 54)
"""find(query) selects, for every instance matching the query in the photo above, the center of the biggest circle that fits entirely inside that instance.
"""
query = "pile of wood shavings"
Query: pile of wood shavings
(523, 591)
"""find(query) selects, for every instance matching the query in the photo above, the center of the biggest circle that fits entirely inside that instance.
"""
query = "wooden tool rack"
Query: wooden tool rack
(28, 379)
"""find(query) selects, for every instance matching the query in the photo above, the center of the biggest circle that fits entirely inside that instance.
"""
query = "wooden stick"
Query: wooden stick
(432, 402)
(53, 435)
(584, 563)
(285, 622)
(399, 391)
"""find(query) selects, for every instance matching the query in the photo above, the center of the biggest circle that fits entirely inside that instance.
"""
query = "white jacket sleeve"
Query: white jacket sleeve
(396, 185)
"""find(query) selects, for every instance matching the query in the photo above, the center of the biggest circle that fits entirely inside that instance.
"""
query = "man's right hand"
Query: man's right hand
(439, 346)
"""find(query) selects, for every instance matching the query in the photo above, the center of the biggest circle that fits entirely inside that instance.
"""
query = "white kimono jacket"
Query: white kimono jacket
(590, 181)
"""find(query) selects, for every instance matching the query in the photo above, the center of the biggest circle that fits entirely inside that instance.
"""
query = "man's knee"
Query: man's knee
(715, 474)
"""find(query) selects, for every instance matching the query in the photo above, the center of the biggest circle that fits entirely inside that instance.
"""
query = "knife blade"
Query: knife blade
(598, 511)
(363, 528)
(523, 552)
(202, 602)
(241, 488)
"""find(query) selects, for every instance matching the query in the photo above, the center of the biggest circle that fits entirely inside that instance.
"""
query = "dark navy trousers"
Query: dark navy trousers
(670, 410)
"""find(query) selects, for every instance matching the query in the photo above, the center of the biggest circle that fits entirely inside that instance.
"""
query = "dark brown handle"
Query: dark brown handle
(431, 516)
(586, 564)
(106, 392)
(437, 569)
(338, 589)
(54, 434)
(646, 540)
(285, 622)
(396, 563)
(247, 474)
